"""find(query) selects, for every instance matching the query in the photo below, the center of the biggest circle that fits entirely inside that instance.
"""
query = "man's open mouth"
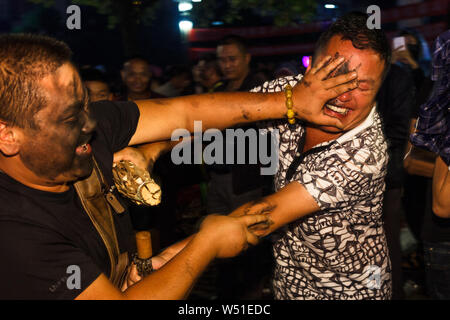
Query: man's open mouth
(84, 149)
(339, 110)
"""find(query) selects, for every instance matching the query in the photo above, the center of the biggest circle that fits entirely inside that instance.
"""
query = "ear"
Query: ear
(9, 142)
(122, 74)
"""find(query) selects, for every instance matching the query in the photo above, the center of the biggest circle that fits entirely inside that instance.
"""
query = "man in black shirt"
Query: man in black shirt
(48, 137)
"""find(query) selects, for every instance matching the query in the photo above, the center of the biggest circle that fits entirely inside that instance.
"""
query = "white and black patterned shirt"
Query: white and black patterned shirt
(339, 252)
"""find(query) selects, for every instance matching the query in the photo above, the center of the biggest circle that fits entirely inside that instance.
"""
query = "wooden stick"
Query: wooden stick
(144, 244)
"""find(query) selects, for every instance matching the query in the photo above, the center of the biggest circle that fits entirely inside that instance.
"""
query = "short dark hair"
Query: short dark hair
(235, 40)
(92, 74)
(353, 27)
(25, 59)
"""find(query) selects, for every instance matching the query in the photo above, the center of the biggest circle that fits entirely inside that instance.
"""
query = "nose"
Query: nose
(227, 63)
(89, 123)
(345, 97)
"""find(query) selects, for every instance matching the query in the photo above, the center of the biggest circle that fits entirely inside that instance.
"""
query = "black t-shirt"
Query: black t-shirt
(47, 239)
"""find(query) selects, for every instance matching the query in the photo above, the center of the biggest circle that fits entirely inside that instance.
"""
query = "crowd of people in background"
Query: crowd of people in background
(190, 192)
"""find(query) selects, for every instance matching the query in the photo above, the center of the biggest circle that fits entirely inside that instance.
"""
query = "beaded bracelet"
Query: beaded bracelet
(289, 104)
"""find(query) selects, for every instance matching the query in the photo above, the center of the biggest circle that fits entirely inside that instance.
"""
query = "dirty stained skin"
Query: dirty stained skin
(244, 114)
(261, 206)
(60, 131)
(160, 102)
(343, 69)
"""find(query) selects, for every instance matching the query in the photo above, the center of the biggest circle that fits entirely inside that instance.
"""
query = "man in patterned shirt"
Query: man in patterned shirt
(330, 181)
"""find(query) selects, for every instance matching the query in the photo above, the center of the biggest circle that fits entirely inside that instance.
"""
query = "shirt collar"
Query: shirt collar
(370, 119)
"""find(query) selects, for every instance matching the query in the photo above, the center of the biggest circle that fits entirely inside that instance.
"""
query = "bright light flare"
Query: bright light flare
(306, 61)
(185, 26)
(184, 6)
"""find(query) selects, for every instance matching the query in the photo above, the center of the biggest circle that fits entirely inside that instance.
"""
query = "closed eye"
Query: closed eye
(365, 84)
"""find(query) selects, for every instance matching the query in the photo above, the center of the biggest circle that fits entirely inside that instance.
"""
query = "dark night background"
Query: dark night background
(161, 42)
(94, 43)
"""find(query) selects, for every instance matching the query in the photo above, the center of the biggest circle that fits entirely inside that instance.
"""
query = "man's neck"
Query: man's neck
(315, 136)
(20, 173)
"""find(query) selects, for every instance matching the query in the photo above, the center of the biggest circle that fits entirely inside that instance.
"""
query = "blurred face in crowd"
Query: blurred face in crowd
(233, 62)
(181, 81)
(197, 70)
(136, 75)
(409, 39)
(209, 76)
(413, 46)
(98, 90)
(58, 149)
(352, 107)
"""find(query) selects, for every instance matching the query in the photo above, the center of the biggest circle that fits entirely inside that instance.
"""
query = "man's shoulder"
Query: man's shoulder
(116, 123)
(375, 129)
(369, 135)
(99, 108)
(12, 198)
(367, 146)
(23, 206)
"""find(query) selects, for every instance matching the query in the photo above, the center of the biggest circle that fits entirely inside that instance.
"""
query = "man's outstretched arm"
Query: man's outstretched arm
(160, 117)
(219, 237)
(288, 204)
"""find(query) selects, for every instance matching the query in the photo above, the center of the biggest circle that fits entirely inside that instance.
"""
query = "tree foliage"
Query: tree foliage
(38, 20)
(118, 11)
(280, 12)
(127, 15)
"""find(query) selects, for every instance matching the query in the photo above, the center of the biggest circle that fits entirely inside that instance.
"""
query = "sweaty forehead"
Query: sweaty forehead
(137, 66)
(228, 50)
